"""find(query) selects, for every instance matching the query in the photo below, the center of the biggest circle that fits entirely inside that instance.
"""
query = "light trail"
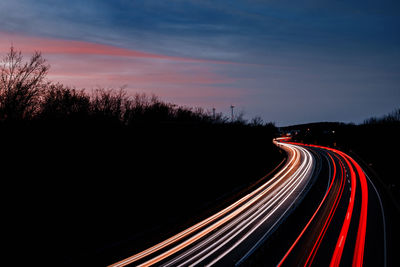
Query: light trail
(362, 226)
(337, 254)
(240, 228)
(355, 172)
(312, 217)
(315, 248)
(293, 159)
(274, 205)
(211, 228)
(223, 220)
(259, 242)
(361, 232)
(232, 218)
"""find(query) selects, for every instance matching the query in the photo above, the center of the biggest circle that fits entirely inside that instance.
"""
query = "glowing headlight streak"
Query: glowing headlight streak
(294, 158)
(291, 190)
(219, 223)
(243, 222)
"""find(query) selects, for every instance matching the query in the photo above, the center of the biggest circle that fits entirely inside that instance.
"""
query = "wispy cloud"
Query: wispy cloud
(71, 47)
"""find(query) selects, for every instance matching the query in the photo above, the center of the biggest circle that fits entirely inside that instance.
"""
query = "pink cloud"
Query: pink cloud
(88, 65)
(29, 44)
(67, 47)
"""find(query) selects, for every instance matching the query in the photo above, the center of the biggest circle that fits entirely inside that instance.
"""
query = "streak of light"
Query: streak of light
(247, 200)
(312, 217)
(355, 170)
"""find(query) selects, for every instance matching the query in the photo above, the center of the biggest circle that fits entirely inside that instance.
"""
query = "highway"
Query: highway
(333, 229)
(349, 212)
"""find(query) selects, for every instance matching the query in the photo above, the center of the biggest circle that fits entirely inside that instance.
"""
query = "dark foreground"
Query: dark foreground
(93, 195)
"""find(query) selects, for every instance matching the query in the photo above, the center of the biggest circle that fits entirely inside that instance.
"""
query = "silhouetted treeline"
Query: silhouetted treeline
(375, 141)
(391, 118)
(60, 105)
(90, 177)
(26, 98)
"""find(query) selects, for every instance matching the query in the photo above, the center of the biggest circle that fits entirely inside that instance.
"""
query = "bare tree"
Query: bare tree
(257, 121)
(60, 102)
(21, 84)
(239, 118)
(108, 104)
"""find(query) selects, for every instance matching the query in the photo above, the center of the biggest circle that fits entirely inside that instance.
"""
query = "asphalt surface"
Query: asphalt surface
(319, 209)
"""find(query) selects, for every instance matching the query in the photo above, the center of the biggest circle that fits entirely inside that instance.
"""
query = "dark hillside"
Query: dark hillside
(92, 192)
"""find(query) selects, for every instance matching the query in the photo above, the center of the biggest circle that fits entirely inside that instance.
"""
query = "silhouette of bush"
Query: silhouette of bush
(391, 118)
(61, 103)
(107, 105)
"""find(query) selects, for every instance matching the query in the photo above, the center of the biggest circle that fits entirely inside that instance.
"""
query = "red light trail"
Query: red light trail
(355, 171)
(254, 216)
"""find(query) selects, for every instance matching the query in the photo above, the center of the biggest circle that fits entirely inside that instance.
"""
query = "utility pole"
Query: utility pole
(232, 106)
(213, 113)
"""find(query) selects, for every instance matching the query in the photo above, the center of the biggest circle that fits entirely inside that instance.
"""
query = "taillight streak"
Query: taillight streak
(315, 248)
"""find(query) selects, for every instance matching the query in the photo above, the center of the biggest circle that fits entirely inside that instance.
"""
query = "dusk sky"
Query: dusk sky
(286, 61)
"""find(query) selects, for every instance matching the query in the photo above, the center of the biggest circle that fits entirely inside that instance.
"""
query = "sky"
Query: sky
(288, 62)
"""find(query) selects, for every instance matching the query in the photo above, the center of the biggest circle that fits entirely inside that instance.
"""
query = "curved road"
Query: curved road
(342, 227)
(348, 221)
